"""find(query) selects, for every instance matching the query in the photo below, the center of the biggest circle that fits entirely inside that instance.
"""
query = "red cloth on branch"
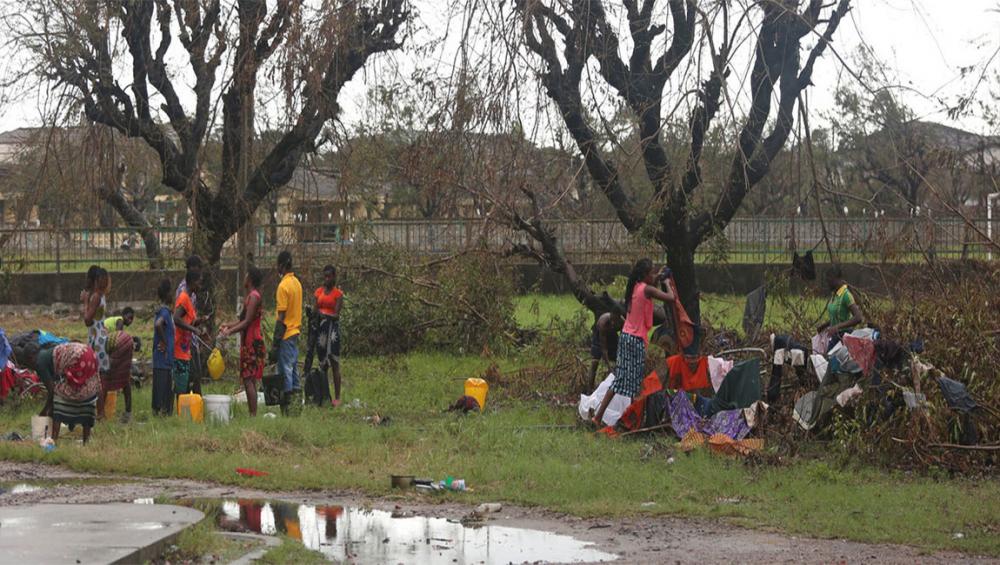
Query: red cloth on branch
(683, 325)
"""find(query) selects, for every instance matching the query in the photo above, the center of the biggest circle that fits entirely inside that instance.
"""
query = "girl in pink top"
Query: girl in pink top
(640, 291)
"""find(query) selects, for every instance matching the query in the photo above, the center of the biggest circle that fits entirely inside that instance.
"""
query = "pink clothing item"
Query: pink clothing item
(862, 351)
(640, 314)
(718, 368)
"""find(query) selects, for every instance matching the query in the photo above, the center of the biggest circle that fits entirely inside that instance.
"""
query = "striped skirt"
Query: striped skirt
(74, 412)
(630, 366)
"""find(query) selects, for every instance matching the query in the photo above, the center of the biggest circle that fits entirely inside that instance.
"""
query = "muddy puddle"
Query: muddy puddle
(364, 535)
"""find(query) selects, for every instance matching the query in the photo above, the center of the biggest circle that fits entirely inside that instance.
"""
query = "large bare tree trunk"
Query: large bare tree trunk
(135, 219)
(326, 44)
(567, 36)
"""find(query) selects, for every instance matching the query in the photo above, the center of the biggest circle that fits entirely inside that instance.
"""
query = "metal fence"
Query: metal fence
(745, 240)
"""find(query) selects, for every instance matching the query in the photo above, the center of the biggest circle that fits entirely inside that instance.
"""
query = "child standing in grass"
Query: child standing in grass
(630, 370)
(184, 324)
(163, 351)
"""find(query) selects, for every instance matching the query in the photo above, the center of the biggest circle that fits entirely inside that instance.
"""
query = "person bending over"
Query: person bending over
(604, 341)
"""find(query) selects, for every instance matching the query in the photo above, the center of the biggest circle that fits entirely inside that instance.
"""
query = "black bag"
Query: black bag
(317, 388)
(655, 412)
(273, 386)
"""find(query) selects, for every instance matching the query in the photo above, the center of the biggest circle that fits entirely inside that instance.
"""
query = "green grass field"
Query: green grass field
(524, 452)
(537, 311)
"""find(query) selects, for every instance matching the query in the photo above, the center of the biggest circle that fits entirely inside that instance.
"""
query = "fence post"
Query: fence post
(58, 254)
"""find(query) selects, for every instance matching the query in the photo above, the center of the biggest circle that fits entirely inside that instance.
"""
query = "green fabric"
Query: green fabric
(739, 389)
(815, 407)
(839, 307)
(182, 376)
(46, 366)
(112, 324)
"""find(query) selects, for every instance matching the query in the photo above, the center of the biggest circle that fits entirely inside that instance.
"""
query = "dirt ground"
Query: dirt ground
(635, 540)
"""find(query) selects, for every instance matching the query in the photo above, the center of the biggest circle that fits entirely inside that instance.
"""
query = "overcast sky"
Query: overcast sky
(926, 41)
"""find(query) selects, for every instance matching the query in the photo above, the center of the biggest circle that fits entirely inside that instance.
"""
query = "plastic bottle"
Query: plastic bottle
(453, 484)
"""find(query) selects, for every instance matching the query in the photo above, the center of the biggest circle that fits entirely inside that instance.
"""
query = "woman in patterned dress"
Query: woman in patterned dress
(94, 311)
(252, 340)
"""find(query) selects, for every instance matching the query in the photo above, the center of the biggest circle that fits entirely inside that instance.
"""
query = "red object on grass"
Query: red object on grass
(250, 472)
(632, 417)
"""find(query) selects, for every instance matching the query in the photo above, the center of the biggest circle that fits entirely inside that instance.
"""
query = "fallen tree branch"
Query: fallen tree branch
(649, 429)
(965, 447)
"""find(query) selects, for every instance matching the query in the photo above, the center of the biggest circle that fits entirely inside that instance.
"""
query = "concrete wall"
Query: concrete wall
(140, 286)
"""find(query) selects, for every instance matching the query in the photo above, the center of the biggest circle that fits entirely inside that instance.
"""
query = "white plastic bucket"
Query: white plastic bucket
(41, 427)
(217, 407)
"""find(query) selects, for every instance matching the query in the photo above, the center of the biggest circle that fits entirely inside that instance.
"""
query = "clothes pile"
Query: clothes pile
(724, 420)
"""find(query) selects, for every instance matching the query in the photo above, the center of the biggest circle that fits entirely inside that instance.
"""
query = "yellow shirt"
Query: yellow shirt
(290, 302)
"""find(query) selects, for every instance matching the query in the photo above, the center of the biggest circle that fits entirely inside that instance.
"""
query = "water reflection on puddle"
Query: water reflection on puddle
(374, 536)
(23, 488)
(19, 488)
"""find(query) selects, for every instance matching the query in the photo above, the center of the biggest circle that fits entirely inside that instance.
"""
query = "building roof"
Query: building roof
(309, 183)
(11, 142)
(953, 138)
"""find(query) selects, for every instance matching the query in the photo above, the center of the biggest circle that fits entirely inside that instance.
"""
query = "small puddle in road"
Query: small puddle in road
(375, 536)
(19, 488)
(28, 486)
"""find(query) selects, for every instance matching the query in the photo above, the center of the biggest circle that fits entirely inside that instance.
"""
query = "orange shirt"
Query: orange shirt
(327, 302)
(182, 337)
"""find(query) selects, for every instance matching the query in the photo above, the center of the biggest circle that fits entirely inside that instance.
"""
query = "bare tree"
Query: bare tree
(888, 157)
(568, 36)
(117, 59)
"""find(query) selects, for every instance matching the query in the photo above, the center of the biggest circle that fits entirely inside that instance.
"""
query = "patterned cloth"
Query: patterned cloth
(121, 363)
(75, 362)
(631, 365)
(328, 343)
(252, 359)
(182, 376)
(862, 351)
(685, 418)
(97, 338)
(721, 443)
(75, 412)
(75, 395)
(252, 343)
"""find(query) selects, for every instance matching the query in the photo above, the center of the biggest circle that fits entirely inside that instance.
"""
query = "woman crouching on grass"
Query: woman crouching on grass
(251, 338)
(631, 366)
